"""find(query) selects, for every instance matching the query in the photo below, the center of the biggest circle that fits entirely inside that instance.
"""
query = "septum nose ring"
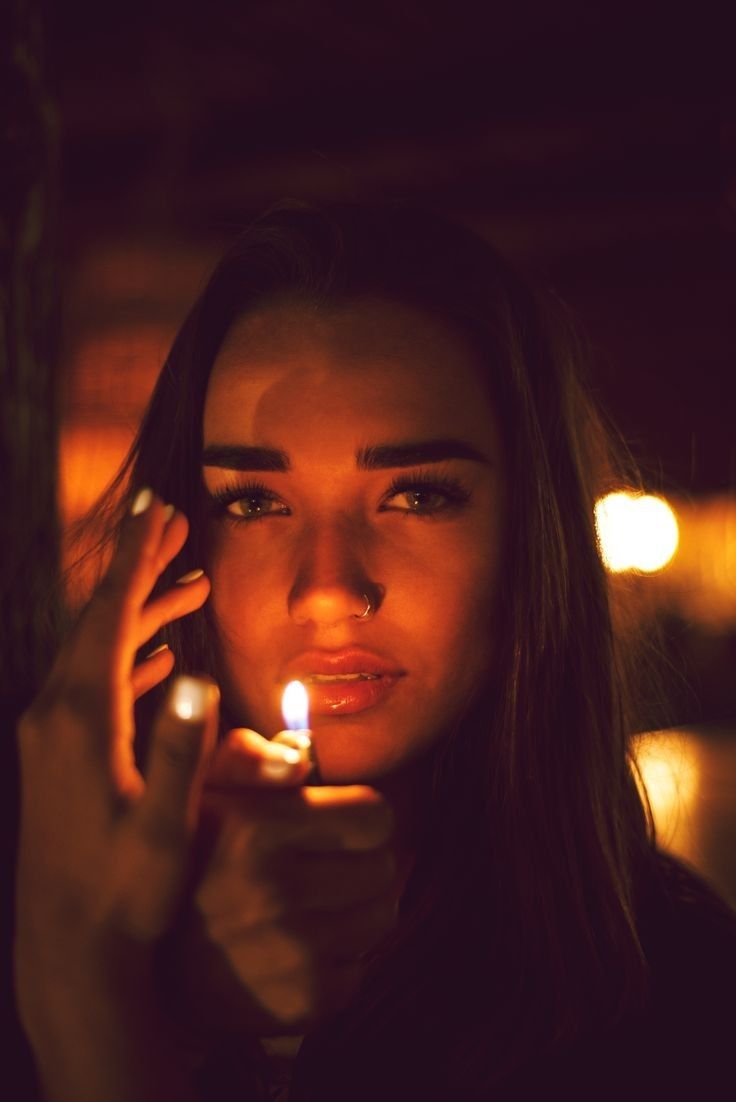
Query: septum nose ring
(366, 611)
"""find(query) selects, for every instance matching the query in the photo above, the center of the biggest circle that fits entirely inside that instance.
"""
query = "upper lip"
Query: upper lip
(347, 660)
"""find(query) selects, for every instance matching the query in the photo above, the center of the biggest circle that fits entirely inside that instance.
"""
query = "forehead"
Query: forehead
(377, 368)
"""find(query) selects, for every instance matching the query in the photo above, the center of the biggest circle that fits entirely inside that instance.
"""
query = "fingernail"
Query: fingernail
(158, 650)
(169, 511)
(141, 501)
(188, 698)
(190, 577)
(278, 768)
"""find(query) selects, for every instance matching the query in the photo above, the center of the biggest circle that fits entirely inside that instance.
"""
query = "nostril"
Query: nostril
(330, 604)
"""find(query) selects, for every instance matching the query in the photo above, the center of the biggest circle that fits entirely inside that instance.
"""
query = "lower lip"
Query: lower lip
(342, 698)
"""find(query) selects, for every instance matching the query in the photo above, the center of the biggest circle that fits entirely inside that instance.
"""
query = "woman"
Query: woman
(388, 468)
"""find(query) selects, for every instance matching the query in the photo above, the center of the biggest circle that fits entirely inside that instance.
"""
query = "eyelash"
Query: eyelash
(455, 494)
(232, 491)
(450, 488)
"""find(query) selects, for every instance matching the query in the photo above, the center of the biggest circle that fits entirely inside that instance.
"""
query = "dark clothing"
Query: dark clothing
(681, 1046)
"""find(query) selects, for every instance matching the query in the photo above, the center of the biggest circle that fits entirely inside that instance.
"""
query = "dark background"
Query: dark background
(595, 144)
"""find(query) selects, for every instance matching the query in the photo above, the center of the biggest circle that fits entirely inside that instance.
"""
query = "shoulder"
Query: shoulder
(688, 935)
(680, 1045)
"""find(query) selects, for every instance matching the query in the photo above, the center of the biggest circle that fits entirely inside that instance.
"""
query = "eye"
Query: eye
(420, 495)
(418, 501)
(249, 502)
(255, 506)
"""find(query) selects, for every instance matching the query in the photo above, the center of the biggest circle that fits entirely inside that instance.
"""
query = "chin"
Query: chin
(351, 758)
(341, 771)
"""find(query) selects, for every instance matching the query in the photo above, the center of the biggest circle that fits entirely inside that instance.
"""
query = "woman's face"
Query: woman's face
(353, 456)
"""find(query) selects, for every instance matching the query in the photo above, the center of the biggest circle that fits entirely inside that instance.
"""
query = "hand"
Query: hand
(102, 855)
(297, 886)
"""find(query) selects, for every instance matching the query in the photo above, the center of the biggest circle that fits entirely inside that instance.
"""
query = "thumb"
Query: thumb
(245, 759)
(182, 739)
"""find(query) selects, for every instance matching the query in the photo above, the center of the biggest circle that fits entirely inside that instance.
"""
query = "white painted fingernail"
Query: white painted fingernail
(158, 650)
(188, 698)
(141, 501)
(169, 511)
(190, 577)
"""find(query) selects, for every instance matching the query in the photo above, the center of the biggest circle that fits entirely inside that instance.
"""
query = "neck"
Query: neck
(408, 793)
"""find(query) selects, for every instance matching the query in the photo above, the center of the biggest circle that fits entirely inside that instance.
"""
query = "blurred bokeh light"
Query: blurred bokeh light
(689, 776)
(636, 531)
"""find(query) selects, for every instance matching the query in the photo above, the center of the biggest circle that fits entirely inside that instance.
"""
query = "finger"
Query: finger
(246, 759)
(186, 596)
(164, 534)
(174, 536)
(163, 819)
(136, 563)
(327, 819)
(152, 670)
(182, 736)
(298, 740)
(303, 742)
(103, 644)
(352, 817)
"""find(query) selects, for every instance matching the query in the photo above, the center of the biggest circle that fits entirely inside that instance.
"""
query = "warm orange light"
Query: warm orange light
(636, 532)
(670, 771)
(89, 459)
(295, 707)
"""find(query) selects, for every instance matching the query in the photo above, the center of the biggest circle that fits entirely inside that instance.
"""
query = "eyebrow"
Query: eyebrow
(243, 457)
(411, 454)
(374, 457)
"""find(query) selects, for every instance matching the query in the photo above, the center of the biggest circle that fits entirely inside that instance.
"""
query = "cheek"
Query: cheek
(241, 601)
(462, 632)
(244, 578)
(450, 612)
(232, 596)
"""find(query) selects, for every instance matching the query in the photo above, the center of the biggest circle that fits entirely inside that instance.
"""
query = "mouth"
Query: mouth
(331, 678)
(345, 682)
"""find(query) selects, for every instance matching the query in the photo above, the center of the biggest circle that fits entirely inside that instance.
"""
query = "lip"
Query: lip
(328, 698)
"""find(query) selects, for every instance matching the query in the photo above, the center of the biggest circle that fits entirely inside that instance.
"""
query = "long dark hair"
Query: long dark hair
(522, 907)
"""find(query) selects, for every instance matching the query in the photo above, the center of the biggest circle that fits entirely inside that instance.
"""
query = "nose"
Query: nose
(331, 581)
